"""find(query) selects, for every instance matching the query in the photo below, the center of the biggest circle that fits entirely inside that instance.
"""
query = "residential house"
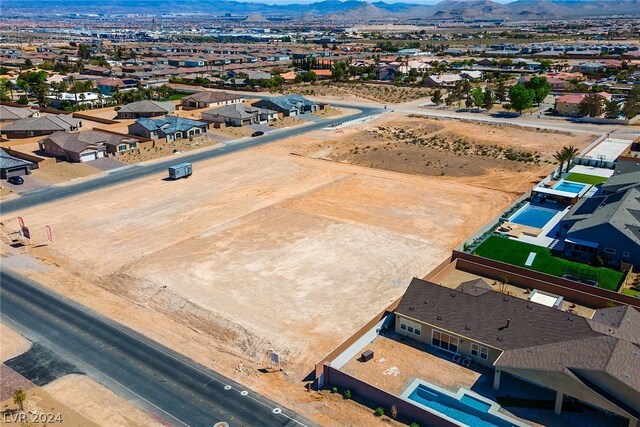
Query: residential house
(145, 108)
(81, 98)
(569, 105)
(109, 86)
(76, 147)
(13, 166)
(38, 126)
(210, 99)
(606, 225)
(170, 128)
(590, 67)
(595, 361)
(239, 115)
(11, 114)
(288, 105)
(442, 80)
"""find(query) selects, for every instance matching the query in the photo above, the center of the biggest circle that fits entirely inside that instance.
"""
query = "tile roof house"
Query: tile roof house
(44, 125)
(170, 127)
(288, 105)
(13, 166)
(210, 99)
(239, 115)
(145, 108)
(109, 86)
(596, 361)
(10, 114)
(569, 105)
(76, 147)
(85, 146)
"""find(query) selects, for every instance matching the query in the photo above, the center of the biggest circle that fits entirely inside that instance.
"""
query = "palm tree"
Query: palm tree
(569, 153)
(560, 157)
(72, 84)
(19, 396)
(6, 84)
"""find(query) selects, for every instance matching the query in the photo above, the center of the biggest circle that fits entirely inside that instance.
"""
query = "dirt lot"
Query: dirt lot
(63, 171)
(249, 232)
(161, 148)
(385, 94)
(506, 158)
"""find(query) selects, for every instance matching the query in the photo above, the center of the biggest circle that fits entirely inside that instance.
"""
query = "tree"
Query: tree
(560, 157)
(437, 97)
(34, 82)
(487, 103)
(544, 64)
(84, 51)
(6, 89)
(540, 87)
(339, 71)
(477, 97)
(611, 110)
(307, 76)
(591, 105)
(501, 91)
(19, 396)
(631, 108)
(570, 153)
(521, 97)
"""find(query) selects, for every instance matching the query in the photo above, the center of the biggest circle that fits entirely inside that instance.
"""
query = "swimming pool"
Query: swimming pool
(468, 409)
(533, 216)
(569, 187)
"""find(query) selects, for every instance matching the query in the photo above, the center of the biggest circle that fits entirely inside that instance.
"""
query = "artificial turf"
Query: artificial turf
(516, 253)
(585, 179)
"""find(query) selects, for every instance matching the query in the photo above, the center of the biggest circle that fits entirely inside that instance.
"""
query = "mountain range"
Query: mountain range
(348, 10)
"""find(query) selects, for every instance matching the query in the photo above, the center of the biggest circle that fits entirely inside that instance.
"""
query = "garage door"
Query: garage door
(86, 157)
(16, 172)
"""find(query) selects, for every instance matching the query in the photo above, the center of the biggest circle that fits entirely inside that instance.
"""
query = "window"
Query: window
(409, 326)
(122, 147)
(610, 250)
(444, 341)
(479, 351)
(133, 145)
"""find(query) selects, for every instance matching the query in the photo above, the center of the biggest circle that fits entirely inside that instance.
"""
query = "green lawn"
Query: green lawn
(516, 253)
(631, 292)
(174, 97)
(585, 179)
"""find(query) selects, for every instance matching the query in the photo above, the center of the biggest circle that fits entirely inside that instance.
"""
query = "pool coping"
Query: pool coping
(528, 204)
(494, 407)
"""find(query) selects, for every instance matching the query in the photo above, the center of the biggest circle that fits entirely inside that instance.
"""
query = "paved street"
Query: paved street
(51, 193)
(157, 379)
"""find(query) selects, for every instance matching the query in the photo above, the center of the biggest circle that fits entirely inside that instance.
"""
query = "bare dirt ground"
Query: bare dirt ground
(12, 344)
(63, 171)
(97, 403)
(162, 148)
(41, 402)
(288, 122)
(385, 94)
(199, 265)
(506, 158)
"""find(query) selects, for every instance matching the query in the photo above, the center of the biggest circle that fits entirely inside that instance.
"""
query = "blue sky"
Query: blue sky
(370, 1)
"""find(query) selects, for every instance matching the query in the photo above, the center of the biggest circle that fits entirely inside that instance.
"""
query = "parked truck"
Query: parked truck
(181, 170)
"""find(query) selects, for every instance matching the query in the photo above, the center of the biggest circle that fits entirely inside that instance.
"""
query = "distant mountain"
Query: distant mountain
(349, 10)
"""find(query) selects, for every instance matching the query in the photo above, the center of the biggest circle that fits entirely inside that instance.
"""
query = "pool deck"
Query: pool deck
(545, 237)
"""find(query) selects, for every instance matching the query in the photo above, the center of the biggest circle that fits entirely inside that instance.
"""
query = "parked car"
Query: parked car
(16, 180)
(257, 133)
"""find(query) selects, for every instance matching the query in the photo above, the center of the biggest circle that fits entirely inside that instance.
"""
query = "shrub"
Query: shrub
(414, 425)
(347, 394)
(379, 411)
(334, 390)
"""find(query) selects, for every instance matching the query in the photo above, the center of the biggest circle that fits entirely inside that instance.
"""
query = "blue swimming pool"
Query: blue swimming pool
(533, 216)
(570, 187)
(468, 410)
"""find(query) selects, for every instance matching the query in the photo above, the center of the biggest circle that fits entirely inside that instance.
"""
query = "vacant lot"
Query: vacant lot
(506, 158)
(264, 229)
(384, 94)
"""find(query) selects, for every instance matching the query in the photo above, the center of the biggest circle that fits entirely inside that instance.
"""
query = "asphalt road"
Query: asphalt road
(48, 194)
(164, 383)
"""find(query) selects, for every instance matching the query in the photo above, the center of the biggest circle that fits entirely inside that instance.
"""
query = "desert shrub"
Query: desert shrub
(379, 411)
